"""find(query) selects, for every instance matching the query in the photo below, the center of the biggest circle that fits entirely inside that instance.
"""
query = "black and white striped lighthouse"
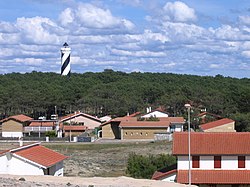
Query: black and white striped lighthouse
(65, 59)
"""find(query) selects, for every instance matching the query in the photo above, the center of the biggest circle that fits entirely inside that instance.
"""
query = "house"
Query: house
(73, 130)
(218, 159)
(79, 118)
(13, 125)
(131, 128)
(206, 117)
(158, 113)
(39, 127)
(32, 159)
(221, 125)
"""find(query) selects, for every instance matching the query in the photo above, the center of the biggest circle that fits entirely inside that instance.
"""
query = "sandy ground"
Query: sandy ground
(51, 181)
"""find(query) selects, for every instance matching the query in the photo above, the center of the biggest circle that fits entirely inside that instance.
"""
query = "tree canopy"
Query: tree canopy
(116, 93)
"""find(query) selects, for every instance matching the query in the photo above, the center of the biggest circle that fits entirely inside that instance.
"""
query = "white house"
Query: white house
(155, 113)
(218, 159)
(31, 159)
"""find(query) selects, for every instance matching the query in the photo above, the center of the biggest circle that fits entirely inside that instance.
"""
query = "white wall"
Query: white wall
(170, 178)
(16, 166)
(155, 114)
(207, 162)
(12, 134)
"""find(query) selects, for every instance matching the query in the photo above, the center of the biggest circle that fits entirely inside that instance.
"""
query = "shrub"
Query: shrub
(139, 166)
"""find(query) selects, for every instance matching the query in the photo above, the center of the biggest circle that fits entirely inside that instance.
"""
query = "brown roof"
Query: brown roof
(215, 176)
(39, 154)
(212, 143)
(42, 123)
(20, 118)
(74, 127)
(216, 123)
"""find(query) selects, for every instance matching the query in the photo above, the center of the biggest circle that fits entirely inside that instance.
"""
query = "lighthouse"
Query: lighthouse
(65, 60)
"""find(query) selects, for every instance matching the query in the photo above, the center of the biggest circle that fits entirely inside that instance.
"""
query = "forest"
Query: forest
(117, 93)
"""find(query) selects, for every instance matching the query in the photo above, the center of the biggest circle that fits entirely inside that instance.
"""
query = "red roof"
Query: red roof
(212, 143)
(164, 122)
(42, 123)
(160, 175)
(20, 118)
(75, 128)
(215, 176)
(216, 123)
(39, 154)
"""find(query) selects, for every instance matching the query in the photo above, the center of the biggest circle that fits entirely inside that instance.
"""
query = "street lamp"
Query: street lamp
(188, 106)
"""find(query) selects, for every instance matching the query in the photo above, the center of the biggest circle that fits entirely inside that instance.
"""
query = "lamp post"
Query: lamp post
(188, 106)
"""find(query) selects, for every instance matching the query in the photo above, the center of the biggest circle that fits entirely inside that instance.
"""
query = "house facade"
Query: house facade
(217, 159)
(13, 126)
(31, 159)
(130, 128)
(221, 125)
(79, 118)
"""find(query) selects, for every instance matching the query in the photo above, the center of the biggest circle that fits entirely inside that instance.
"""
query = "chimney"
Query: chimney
(150, 109)
(147, 109)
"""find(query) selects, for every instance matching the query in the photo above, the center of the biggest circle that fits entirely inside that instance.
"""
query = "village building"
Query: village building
(218, 159)
(39, 128)
(80, 119)
(157, 113)
(221, 125)
(13, 126)
(32, 159)
(206, 117)
(131, 128)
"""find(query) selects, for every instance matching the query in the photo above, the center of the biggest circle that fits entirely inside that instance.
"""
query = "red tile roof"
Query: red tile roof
(215, 176)
(164, 122)
(20, 118)
(39, 154)
(212, 143)
(42, 123)
(216, 123)
(160, 175)
(75, 127)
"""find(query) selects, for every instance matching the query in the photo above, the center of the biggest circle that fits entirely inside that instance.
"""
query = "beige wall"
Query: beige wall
(90, 123)
(12, 126)
(141, 133)
(111, 131)
(223, 128)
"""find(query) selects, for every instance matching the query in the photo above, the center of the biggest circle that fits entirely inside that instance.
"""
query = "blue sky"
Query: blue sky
(199, 37)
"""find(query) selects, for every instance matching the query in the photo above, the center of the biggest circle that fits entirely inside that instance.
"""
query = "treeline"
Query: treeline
(117, 93)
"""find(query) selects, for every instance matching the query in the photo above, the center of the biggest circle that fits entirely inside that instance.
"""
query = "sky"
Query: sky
(198, 37)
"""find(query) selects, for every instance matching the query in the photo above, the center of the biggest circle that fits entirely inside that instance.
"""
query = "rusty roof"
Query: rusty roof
(74, 127)
(212, 143)
(42, 123)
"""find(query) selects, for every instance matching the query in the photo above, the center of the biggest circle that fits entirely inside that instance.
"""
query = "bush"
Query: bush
(139, 166)
(50, 134)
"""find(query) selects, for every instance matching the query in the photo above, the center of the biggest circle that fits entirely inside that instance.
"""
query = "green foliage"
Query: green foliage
(140, 166)
(152, 118)
(116, 93)
(50, 134)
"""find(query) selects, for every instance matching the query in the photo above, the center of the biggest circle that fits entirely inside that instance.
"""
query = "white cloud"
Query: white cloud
(245, 20)
(89, 19)
(33, 30)
(178, 12)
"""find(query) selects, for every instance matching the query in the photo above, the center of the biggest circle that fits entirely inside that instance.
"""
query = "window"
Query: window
(241, 161)
(195, 161)
(217, 161)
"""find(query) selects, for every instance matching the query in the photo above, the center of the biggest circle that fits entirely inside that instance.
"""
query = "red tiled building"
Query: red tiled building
(31, 159)
(217, 159)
